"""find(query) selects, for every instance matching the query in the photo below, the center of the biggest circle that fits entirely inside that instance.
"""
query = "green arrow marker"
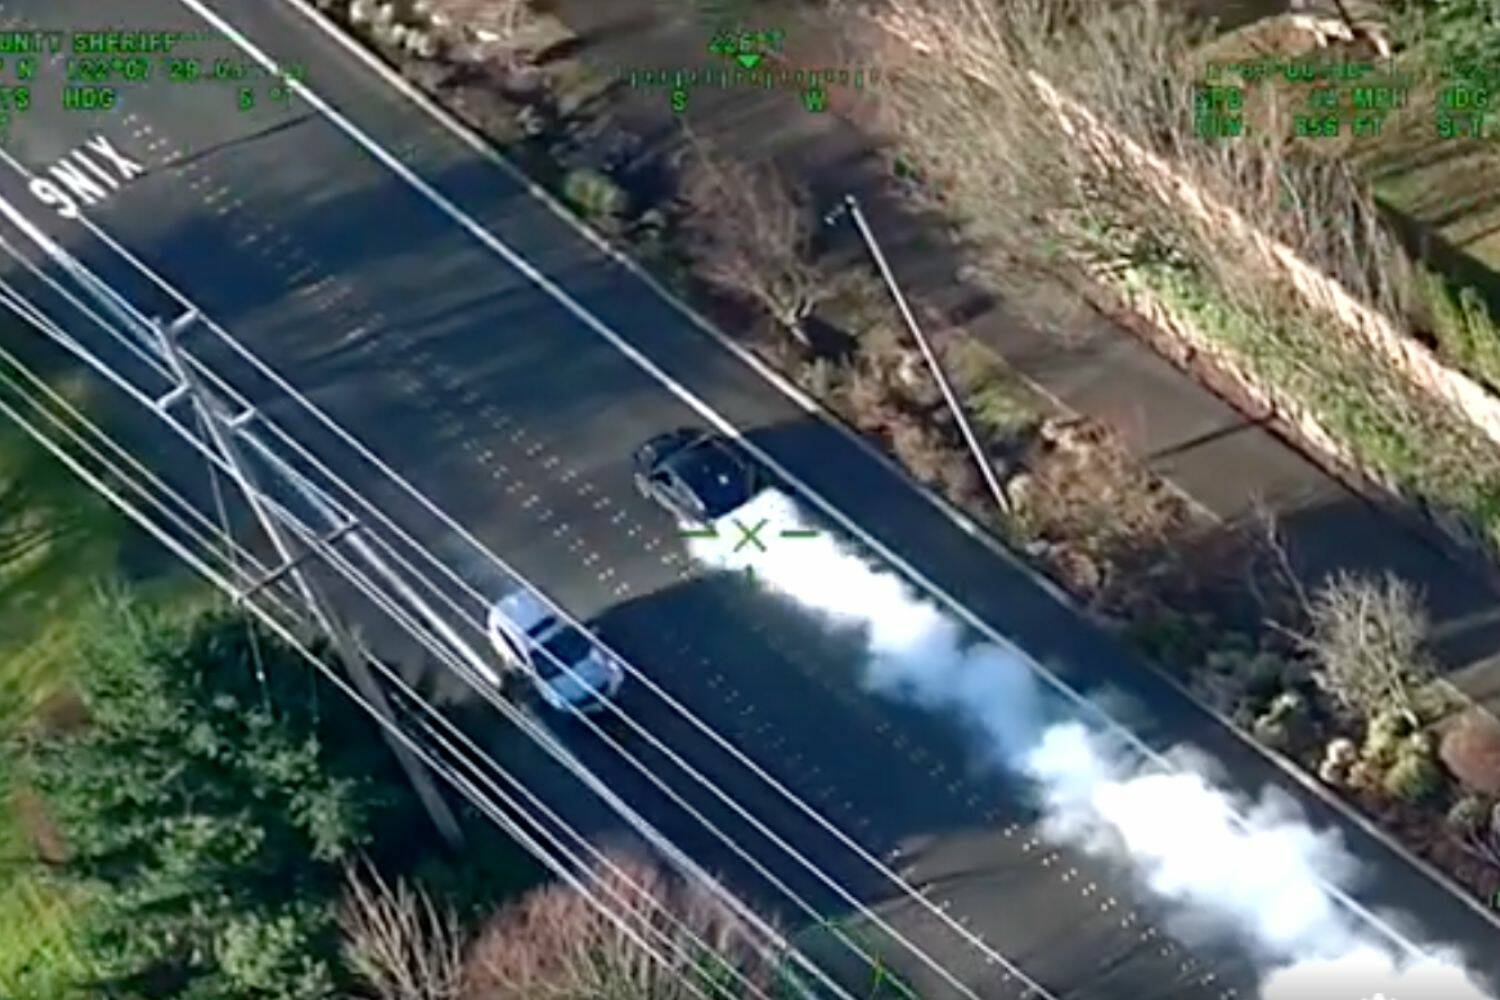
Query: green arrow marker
(749, 60)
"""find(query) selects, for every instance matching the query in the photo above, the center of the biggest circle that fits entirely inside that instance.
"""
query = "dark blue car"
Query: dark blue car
(698, 476)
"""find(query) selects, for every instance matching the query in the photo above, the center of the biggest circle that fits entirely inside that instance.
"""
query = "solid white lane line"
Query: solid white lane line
(492, 242)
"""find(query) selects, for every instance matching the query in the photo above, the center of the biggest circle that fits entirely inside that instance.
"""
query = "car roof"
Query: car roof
(717, 474)
(522, 609)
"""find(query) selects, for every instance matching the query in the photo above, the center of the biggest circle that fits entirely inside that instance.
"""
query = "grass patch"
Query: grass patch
(1019, 189)
(1467, 336)
(38, 959)
(1389, 426)
(60, 540)
(827, 942)
(999, 403)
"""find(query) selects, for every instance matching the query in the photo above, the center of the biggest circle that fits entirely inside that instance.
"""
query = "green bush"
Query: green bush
(1469, 814)
(210, 804)
(1414, 775)
(1383, 739)
(1170, 637)
(1460, 36)
(999, 410)
(1265, 676)
(1287, 722)
(596, 197)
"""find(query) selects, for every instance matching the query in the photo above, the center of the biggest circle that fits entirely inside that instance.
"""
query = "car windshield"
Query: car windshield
(660, 447)
(565, 646)
(715, 476)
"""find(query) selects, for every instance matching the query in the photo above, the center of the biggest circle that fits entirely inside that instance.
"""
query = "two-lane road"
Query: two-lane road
(509, 408)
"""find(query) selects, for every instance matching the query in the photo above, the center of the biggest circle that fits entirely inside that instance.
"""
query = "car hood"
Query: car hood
(593, 675)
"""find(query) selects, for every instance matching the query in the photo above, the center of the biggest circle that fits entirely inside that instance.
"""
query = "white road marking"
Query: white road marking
(713, 417)
(88, 174)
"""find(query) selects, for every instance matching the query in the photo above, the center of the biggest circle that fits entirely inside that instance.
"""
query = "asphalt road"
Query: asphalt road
(518, 418)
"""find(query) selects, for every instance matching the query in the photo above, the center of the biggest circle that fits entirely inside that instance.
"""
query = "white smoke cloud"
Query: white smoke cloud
(1254, 869)
(1370, 973)
(1259, 876)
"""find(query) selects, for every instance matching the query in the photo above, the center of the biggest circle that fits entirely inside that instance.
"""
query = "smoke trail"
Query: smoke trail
(1251, 869)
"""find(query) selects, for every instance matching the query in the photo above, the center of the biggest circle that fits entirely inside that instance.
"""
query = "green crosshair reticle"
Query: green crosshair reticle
(749, 534)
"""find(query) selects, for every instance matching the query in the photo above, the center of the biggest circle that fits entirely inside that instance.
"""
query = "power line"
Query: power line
(61, 403)
(518, 261)
(322, 497)
(885, 871)
(382, 717)
(314, 542)
(26, 310)
(848, 841)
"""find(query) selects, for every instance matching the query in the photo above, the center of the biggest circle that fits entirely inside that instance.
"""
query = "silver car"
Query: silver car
(533, 640)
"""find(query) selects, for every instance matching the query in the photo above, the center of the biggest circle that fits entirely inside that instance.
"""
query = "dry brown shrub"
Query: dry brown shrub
(1471, 751)
(1083, 487)
(553, 944)
(959, 479)
(402, 944)
(920, 448)
(1369, 637)
(750, 232)
(868, 402)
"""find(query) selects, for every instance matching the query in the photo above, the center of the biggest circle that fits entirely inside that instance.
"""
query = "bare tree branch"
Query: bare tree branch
(751, 234)
(399, 941)
(1368, 636)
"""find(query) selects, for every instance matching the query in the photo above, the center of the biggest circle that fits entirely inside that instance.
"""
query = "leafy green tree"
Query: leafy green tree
(214, 801)
(1460, 36)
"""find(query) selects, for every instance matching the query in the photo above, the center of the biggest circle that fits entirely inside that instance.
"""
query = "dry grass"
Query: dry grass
(972, 127)
(1102, 518)
(1029, 196)
(402, 944)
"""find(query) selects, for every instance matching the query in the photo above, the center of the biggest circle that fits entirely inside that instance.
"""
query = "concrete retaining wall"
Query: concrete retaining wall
(1408, 356)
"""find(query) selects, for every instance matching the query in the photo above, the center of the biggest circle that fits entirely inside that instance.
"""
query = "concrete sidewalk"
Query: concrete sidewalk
(1225, 459)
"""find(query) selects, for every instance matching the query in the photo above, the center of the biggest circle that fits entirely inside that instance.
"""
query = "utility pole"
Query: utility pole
(976, 449)
(223, 430)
